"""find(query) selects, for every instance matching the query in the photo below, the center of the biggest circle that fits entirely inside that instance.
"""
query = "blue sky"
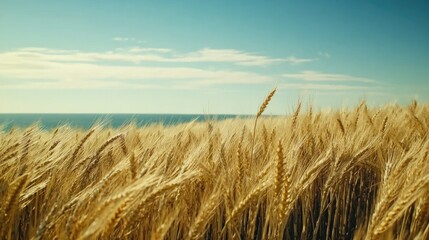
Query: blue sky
(211, 56)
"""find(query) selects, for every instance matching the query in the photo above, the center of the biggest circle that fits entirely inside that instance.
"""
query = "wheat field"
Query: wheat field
(361, 173)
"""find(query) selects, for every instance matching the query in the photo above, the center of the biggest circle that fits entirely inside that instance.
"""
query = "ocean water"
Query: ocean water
(85, 121)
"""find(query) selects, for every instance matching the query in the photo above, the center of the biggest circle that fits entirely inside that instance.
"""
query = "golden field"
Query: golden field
(347, 174)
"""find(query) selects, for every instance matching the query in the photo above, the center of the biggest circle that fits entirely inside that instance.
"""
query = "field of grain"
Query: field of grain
(361, 173)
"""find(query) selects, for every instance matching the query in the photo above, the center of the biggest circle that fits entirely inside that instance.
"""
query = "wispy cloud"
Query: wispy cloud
(132, 67)
(324, 54)
(330, 77)
(49, 68)
(322, 87)
(138, 54)
(228, 56)
(319, 81)
(295, 60)
(143, 50)
(237, 57)
(124, 39)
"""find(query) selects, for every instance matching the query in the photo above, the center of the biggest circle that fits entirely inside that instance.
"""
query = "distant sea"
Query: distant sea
(85, 121)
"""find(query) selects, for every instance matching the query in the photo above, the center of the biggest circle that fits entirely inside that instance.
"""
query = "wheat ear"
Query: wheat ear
(84, 139)
(133, 166)
(7, 210)
(279, 171)
(203, 216)
(401, 206)
(246, 201)
(261, 110)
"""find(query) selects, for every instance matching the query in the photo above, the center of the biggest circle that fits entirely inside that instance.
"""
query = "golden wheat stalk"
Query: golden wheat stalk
(258, 114)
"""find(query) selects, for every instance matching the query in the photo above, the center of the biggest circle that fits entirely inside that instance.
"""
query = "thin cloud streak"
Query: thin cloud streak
(324, 54)
(295, 60)
(137, 55)
(78, 84)
(323, 82)
(330, 77)
(157, 50)
(124, 39)
(54, 69)
(323, 87)
(57, 68)
(228, 56)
